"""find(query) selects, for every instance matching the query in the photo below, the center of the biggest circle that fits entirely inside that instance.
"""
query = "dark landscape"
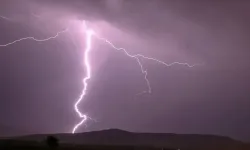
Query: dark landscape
(119, 139)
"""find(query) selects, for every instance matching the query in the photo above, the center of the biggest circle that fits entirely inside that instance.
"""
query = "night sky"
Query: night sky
(40, 81)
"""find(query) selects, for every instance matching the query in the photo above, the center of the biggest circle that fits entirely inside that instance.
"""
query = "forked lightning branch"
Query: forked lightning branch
(90, 33)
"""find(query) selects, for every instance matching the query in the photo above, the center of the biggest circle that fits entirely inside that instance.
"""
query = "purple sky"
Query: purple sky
(40, 82)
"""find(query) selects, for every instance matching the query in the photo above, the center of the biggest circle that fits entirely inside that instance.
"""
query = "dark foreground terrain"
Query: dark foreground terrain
(29, 145)
(115, 139)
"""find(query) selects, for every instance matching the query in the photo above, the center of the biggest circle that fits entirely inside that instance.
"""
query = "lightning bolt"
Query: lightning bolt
(84, 117)
(89, 34)
(37, 40)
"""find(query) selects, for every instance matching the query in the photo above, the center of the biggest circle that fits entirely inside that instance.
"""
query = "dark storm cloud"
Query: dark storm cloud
(199, 28)
(212, 98)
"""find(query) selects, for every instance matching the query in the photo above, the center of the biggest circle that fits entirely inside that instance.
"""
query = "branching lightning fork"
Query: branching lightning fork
(89, 34)
(32, 38)
(137, 57)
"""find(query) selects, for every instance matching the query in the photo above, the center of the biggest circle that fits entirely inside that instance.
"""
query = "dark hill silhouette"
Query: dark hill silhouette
(170, 140)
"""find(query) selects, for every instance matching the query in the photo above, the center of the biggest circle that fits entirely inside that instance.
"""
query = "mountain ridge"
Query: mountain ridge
(122, 137)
